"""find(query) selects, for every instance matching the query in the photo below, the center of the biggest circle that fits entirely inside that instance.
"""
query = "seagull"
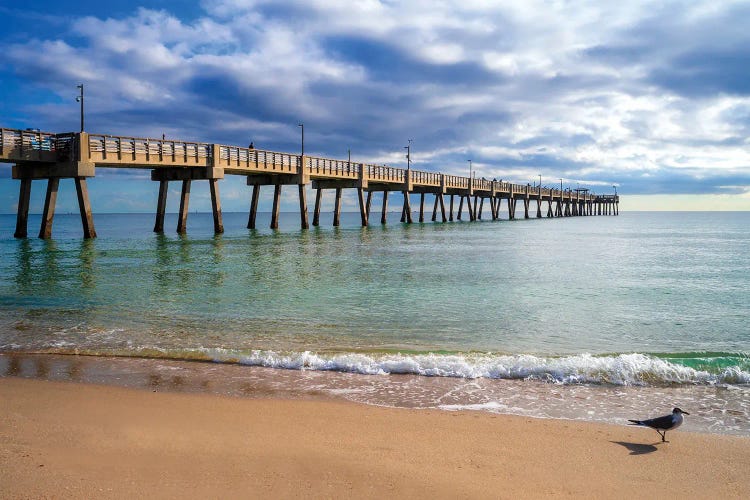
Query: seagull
(665, 423)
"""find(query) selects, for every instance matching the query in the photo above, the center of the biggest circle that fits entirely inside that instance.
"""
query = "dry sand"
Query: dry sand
(62, 439)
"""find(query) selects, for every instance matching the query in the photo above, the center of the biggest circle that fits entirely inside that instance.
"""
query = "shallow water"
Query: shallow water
(653, 304)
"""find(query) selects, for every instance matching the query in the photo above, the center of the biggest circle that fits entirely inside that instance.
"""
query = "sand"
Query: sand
(73, 440)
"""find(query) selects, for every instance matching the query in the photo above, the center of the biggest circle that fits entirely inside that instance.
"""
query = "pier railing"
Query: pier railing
(385, 173)
(425, 178)
(235, 157)
(456, 182)
(29, 145)
(140, 152)
(332, 168)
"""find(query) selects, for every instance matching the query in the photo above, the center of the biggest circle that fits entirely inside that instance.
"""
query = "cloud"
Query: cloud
(650, 97)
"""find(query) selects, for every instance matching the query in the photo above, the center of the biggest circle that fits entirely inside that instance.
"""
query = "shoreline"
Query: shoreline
(83, 440)
(714, 409)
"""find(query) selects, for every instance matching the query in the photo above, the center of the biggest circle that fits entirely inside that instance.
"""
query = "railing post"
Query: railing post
(363, 176)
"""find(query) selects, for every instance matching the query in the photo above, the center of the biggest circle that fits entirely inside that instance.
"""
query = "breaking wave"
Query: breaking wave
(631, 369)
(621, 369)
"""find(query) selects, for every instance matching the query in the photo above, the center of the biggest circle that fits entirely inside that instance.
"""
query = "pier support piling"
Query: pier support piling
(22, 216)
(362, 206)
(87, 219)
(276, 206)
(184, 202)
(450, 212)
(304, 220)
(216, 206)
(50, 200)
(316, 212)
(421, 207)
(161, 206)
(407, 208)
(337, 209)
(384, 213)
(253, 207)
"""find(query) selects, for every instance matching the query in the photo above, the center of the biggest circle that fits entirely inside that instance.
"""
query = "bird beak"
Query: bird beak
(685, 413)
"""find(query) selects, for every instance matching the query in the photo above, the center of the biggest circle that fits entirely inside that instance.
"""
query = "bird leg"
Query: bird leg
(663, 436)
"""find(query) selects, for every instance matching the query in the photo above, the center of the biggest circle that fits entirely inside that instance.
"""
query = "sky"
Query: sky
(650, 97)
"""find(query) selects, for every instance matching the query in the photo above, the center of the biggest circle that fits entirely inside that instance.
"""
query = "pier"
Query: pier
(37, 155)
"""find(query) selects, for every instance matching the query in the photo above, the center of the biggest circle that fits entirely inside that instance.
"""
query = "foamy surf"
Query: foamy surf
(622, 369)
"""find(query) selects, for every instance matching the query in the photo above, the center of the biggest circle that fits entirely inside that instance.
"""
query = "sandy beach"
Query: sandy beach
(63, 439)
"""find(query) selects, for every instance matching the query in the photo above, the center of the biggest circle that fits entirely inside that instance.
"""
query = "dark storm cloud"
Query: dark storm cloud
(704, 73)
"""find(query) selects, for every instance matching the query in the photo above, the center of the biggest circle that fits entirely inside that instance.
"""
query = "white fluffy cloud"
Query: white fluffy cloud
(599, 92)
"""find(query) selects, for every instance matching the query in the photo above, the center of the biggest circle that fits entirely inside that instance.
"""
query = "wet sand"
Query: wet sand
(66, 439)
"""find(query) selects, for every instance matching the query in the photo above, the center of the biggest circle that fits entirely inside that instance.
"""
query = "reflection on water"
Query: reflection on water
(41, 265)
(24, 265)
(87, 270)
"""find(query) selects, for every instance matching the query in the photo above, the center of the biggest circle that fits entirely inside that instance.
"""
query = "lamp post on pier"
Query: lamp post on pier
(561, 185)
(615, 188)
(302, 126)
(79, 98)
(408, 155)
(469, 168)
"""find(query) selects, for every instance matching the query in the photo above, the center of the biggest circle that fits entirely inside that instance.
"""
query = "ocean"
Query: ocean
(594, 318)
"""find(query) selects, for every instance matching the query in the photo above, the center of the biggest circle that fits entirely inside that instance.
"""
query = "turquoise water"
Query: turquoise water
(648, 300)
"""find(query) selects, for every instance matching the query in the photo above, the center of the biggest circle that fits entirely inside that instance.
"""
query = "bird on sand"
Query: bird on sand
(663, 424)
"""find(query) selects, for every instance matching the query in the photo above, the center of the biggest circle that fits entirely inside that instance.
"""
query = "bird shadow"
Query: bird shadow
(638, 448)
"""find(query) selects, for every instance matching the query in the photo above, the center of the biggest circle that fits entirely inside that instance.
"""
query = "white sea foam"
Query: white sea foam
(623, 369)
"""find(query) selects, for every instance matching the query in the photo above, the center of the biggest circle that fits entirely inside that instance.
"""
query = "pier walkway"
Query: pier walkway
(48, 156)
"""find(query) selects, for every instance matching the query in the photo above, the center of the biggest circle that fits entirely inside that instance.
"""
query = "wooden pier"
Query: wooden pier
(47, 156)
